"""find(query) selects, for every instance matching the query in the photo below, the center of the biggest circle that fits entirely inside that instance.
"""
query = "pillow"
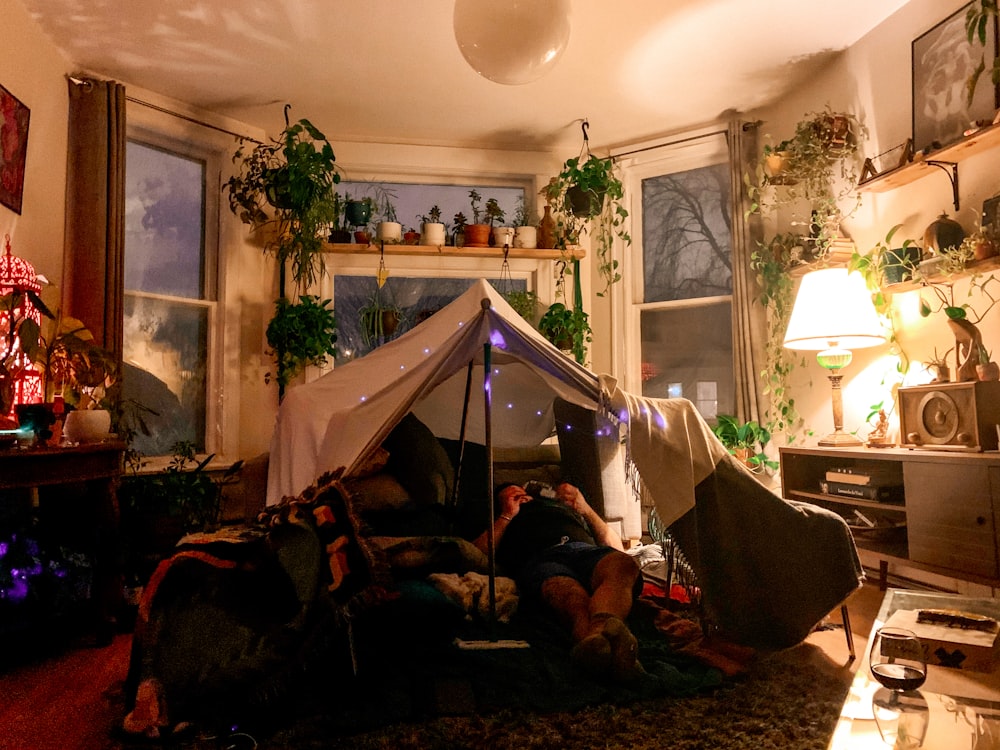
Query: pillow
(373, 463)
(419, 462)
(418, 556)
(377, 492)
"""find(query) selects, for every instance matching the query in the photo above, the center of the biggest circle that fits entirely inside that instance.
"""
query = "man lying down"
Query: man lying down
(563, 554)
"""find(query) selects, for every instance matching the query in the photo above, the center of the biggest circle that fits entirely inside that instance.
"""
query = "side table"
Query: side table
(99, 467)
(955, 697)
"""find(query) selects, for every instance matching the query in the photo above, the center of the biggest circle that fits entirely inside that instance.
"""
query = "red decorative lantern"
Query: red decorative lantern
(20, 381)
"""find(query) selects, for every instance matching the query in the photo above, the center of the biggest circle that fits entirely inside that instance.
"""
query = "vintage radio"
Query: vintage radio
(950, 416)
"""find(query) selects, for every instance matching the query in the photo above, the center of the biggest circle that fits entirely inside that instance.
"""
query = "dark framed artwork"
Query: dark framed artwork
(13, 149)
(991, 215)
(943, 61)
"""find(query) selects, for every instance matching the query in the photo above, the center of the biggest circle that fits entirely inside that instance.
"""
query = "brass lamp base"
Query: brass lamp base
(839, 439)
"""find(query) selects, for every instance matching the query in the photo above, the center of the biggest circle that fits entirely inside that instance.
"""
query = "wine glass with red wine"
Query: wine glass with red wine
(897, 661)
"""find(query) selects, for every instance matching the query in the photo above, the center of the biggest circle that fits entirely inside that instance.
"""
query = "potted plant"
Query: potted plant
(339, 233)
(458, 229)
(818, 165)
(500, 236)
(288, 183)
(987, 369)
(432, 231)
(525, 232)
(746, 441)
(589, 190)
(300, 333)
(380, 319)
(358, 211)
(895, 264)
(389, 229)
(568, 330)
(477, 234)
(524, 302)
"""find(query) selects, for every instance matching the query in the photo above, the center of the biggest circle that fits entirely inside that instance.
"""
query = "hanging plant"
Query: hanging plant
(771, 263)
(588, 192)
(819, 168)
(300, 333)
(287, 185)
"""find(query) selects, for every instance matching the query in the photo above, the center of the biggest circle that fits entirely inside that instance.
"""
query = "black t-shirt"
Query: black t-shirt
(538, 525)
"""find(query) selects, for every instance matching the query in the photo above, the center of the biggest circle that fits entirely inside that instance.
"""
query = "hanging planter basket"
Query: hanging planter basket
(585, 203)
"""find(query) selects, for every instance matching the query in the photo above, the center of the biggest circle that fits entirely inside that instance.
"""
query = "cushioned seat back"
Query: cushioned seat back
(593, 459)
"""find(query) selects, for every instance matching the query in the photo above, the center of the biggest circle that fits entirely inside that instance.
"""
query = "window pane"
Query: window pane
(166, 345)
(412, 201)
(164, 222)
(687, 352)
(685, 235)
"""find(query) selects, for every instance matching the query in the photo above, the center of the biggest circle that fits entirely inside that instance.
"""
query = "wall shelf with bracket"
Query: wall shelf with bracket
(944, 159)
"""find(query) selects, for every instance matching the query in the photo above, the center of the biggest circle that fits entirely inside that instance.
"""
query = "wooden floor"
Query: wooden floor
(74, 701)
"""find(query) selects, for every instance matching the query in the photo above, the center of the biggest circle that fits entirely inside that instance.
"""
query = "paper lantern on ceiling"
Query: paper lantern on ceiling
(512, 41)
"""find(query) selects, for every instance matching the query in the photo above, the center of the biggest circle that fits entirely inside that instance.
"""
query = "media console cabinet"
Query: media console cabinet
(945, 520)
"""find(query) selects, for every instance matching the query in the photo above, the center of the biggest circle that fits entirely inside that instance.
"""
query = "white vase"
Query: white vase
(526, 237)
(87, 425)
(389, 231)
(432, 233)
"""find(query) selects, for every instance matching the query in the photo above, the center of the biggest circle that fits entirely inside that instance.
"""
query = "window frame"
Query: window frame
(173, 135)
(690, 150)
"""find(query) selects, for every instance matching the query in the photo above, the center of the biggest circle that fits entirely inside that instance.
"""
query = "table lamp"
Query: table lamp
(834, 314)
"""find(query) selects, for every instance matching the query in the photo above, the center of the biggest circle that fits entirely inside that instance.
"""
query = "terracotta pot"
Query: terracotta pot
(411, 238)
(363, 238)
(477, 235)
(984, 249)
(989, 371)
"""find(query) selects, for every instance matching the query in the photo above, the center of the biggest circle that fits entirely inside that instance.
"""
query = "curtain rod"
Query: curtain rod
(190, 119)
(89, 83)
(668, 143)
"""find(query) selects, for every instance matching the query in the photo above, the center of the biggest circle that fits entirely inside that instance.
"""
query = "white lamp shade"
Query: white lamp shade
(833, 309)
(511, 41)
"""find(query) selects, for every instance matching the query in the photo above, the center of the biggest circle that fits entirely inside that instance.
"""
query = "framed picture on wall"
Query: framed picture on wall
(991, 215)
(943, 61)
(13, 148)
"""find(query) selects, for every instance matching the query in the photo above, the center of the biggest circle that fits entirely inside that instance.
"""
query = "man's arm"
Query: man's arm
(603, 534)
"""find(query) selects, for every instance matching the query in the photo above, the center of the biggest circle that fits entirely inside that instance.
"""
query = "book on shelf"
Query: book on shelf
(860, 476)
(883, 493)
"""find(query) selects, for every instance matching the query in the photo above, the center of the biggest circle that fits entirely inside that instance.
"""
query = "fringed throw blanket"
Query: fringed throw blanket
(233, 620)
(769, 569)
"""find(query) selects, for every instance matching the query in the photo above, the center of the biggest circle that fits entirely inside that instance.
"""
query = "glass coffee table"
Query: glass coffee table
(963, 705)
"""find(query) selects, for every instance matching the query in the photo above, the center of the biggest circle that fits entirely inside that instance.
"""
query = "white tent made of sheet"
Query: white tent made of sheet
(769, 569)
(338, 419)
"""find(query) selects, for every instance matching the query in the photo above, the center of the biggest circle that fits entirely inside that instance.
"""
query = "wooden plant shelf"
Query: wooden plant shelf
(983, 139)
(987, 265)
(448, 251)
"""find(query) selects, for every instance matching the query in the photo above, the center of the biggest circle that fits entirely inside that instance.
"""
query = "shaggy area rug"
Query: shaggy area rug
(525, 699)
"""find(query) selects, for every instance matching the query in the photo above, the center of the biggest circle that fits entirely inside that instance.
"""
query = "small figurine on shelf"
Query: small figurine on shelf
(879, 436)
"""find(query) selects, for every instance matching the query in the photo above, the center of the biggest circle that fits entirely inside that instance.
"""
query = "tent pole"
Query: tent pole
(488, 425)
(493, 642)
(461, 437)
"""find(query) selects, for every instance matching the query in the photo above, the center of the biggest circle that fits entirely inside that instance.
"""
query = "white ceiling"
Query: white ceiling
(391, 71)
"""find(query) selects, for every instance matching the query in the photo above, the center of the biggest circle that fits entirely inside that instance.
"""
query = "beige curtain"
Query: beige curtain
(94, 253)
(749, 323)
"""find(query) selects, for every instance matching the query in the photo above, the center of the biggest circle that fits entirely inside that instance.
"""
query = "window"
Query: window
(683, 298)
(170, 295)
